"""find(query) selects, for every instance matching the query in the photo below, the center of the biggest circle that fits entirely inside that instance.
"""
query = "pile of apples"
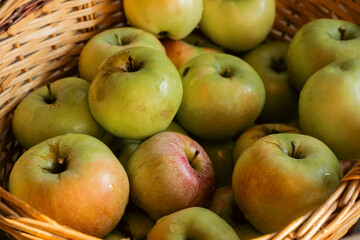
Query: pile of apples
(189, 124)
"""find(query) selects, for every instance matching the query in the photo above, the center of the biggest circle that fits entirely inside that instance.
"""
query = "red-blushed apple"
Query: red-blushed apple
(165, 18)
(168, 172)
(136, 93)
(281, 101)
(318, 43)
(283, 176)
(220, 154)
(74, 179)
(238, 25)
(224, 205)
(181, 51)
(58, 108)
(108, 42)
(329, 107)
(222, 96)
(195, 223)
(250, 135)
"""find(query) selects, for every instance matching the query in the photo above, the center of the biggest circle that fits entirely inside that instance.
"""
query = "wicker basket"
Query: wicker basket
(40, 41)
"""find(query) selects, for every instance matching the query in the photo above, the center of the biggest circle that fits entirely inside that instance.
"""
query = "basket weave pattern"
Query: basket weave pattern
(40, 41)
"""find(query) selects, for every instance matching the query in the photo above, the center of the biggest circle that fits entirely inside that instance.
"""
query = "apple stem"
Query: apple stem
(342, 30)
(61, 161)
(295, 148)
(132, 63)
(194, 157)
(226, 73)
(118, 38)
(51, 96)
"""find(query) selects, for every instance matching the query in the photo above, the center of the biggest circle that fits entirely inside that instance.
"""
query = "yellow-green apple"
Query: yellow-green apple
(116, 235)
(269, 61)
(223, 95)
(250, 135)
(281, 177)
(168, 172)
(58, 108)
(319, 43)
(136, 93)
(194, 223)
(329, 104)
(74, 179)
(108, 42)
(220, 154)
(136, 224)
(181, 51)
(237, 25)
(224, 205)
(165, 18)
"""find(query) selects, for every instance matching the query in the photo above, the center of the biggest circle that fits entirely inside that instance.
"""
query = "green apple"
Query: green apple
(220, 154)
(58, 108)
(108, 42)
(136, 224)
(181, 51)
(223, 95)
(238, 25)
(136, 93)
(281, 177)
(269, 61)
(319, 43)
(74, 179)
(168, 172)
(329, 107)
(224, 205)
(250, 135)
(116, 235)
(165, 18)
(193, 223)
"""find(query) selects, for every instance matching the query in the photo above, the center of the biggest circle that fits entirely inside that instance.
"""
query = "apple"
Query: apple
(223, 95)
(237, 25)
(108, 42)
(115, 235)
(74, 179)
(269, 61)
(319, 43)
(194, 223)
(176, 127)
(136, 224)
(250, 135)
(283, 176)
(58, 108)
(165, 18)
(181, 51)
(168, 172)
(224, 205)
(328, 107)
(136, 93)
(220, 154)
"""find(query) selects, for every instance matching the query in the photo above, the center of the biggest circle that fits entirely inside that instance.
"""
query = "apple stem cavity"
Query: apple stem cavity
(226, 73)
(118, 38)
(278, 65)
(191, 161)
(51, 98)
(342, 31)
(295, 153)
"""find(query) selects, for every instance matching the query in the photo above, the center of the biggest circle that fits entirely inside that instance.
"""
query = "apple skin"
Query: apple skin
(281, 177)
(138, 98)
(220, 154)
(36, 120)
(224, 205)
(319, 43)
(269, 61)
(181, 51)
(165, 177)
(136, 224)
(328, 107)
(237, 25)
(223, 95)
(40, 180)
(115, 235)
(194, 223)
(108, 42)
(165, 18)
(250, 135)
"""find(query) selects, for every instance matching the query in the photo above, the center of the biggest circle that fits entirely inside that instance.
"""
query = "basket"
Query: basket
(40, 41)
